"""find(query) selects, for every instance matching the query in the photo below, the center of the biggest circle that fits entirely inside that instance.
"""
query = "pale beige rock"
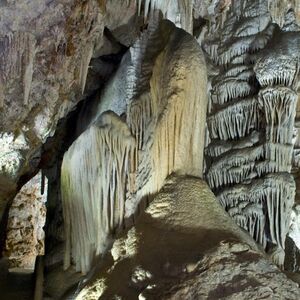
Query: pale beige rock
(115, 164)
(167, 242)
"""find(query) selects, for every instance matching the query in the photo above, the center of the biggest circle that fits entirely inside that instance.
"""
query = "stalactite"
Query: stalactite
(95, 172)
(17, 57)
(279, 104)
(230, 89)
(249, 171)
(1, 94)
(180, 12)
(278, 9)
(234, 121)
(234, 166)
(140, 70)
(218, 147)
(84, 66)
(274, 195)
(28, 62)
(252, 25)
(280, 154)
(290, 21)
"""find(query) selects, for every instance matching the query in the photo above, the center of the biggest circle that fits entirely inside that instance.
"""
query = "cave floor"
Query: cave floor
(13, 285)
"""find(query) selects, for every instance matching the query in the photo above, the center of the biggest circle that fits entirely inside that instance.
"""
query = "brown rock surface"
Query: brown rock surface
(25, 234)
(177, 250)
(45, 51)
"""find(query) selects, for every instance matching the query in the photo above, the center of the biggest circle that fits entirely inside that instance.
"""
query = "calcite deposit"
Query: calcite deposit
(122, 162)
(168, 133)
(177, 250)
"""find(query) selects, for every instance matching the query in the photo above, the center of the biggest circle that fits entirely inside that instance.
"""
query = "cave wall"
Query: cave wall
(25, 235)
(45, 50)
(152, 118)
(251, 122)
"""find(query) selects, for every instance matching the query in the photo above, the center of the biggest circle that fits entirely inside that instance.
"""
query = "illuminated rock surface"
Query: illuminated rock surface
(177, 250)
(107, 98)
(114, 164)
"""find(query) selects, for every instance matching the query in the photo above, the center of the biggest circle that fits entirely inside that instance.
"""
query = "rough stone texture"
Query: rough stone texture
(45, 51)
(15, 286)
(47, 48)
(25, 234)
(177, 250)
(230, 271)
(294, 232)
(250, 123)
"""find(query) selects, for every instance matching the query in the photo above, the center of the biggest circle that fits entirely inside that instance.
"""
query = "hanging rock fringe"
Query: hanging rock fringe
(95, 173)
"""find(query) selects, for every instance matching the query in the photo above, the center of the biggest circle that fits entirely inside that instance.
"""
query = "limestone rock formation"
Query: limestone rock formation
(177, 250)
(45, 51)
(252, 113)
(115, 164)
(107, 99)
(95, 173)
(25, 234)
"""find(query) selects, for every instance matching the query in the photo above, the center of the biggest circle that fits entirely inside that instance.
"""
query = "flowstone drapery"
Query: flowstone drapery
(252, 111)
(121, 160)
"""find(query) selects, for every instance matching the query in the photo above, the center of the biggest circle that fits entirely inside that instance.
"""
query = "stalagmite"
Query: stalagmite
(158, 112)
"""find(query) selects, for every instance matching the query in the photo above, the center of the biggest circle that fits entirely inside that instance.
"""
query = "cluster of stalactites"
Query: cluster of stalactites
(115, 164)
(279, 9)
(180, 12)
(95, 175)
(244, 164)
(245, 30)
(279, 104)
(246, 155)
(263, 208)
(234, 108)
